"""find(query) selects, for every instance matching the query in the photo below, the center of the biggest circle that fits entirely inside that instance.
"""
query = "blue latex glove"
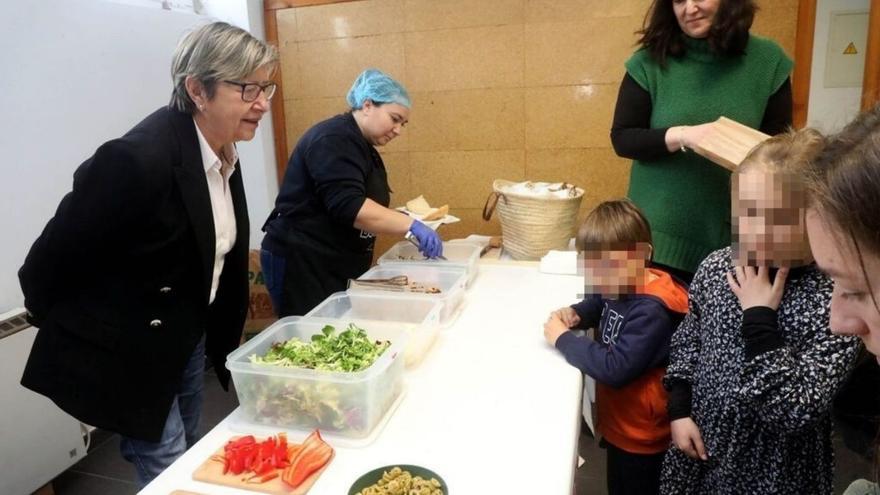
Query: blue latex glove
(429, 242)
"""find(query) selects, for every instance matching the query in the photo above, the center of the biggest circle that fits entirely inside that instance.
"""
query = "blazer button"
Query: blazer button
(165, 290)
(156, 323)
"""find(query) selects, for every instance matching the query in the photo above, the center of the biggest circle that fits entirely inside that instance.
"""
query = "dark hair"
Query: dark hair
(846, 186)
(613, 224)
(662, 36)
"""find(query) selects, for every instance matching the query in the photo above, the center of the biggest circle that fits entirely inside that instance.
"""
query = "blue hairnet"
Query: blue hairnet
(378, 87)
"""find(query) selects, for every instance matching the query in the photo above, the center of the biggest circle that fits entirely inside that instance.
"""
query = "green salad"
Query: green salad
(351, 350)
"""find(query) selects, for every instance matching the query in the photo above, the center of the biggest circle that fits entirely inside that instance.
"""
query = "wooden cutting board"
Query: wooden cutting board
(212, 472)
(729, 143)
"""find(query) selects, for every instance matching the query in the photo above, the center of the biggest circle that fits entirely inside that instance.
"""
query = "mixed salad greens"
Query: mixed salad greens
(332, 405)
(350, 351)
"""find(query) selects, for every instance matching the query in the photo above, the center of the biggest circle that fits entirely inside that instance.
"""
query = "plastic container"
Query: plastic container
(347, 404)
(451, 281)
(457, 253)
(417, 317)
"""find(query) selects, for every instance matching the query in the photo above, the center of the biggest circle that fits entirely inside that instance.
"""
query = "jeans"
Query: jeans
(181, 426)
(273, 267)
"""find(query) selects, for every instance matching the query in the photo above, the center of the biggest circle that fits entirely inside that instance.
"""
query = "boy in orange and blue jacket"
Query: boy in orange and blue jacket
(635, 309)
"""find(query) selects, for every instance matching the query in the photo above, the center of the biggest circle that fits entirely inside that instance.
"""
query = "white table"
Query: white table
(492, 408)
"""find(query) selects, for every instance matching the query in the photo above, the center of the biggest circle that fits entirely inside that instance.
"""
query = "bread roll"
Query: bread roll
(419, 206)
(436, 213)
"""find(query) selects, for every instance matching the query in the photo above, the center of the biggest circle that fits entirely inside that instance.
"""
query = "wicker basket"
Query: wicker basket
(531, 225)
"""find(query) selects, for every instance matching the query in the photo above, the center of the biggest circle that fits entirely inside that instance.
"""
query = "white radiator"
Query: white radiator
(38, 441)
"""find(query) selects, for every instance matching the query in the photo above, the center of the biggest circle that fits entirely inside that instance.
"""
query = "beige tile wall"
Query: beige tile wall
(512, 89)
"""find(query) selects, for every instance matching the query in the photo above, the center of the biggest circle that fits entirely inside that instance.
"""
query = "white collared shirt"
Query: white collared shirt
(217, 173)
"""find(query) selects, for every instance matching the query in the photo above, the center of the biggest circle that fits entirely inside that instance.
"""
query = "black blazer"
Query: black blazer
(119, 281)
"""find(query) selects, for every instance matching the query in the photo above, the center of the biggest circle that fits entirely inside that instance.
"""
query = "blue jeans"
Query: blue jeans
(181, 426)
(273, 267)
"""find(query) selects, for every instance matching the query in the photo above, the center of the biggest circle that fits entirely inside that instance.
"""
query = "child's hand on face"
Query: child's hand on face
(568, 316)
(554, 328)
(753, 288)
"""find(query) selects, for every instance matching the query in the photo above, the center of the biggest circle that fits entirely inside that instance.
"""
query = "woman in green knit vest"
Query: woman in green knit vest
(696, 62)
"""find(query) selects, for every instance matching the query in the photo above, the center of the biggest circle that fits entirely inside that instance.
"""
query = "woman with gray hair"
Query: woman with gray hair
(143, 269)
(334, 200)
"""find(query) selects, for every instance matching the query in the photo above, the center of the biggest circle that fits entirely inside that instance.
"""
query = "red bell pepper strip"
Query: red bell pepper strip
(246, 455)
(240, 442)
(263, 478)
(236, 465)
(314, 454)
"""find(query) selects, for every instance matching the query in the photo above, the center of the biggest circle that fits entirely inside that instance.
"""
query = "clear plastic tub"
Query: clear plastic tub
(457, 253)
(416, 316)
(346, 404)
(451, 281)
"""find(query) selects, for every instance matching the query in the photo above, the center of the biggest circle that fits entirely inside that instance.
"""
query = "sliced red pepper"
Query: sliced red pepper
(279, 457)
(314, 454)
(263, 478)
(245, 454)
(267, 468)
(257, 466)
(240, 442)
(307, 463)
(292, 451)
(236, 464)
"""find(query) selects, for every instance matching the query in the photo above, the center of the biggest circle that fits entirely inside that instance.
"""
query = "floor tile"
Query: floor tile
(106, 461)
(73, 483)
(99, 437)
(590, 477)
(848, 466)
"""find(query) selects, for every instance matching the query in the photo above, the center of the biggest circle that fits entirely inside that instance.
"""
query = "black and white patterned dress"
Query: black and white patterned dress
(765, 422)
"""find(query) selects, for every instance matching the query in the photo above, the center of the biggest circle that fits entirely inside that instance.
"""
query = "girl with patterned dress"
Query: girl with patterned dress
(753, 366)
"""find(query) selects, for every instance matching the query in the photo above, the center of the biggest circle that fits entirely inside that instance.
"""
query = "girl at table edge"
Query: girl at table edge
(334, 200)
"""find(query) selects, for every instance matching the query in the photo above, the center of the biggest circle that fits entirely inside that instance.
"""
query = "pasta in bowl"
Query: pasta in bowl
(399, 479)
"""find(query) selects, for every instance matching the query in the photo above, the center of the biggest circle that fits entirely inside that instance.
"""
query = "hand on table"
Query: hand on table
(553, 328)
(568, 316)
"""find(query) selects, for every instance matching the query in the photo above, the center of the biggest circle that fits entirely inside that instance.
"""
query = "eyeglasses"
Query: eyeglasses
(251, 91)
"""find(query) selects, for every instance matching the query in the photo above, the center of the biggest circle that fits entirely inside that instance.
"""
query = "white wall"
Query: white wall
(830, 109)
(258, 155)
(75, 74)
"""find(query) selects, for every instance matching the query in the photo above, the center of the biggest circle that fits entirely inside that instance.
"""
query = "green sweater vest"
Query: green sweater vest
(685, 197)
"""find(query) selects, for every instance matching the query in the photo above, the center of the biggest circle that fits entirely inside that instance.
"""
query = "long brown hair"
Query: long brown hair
(662, 36)
(846, 186)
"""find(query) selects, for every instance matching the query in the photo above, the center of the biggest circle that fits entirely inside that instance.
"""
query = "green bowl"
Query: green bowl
(375, 475)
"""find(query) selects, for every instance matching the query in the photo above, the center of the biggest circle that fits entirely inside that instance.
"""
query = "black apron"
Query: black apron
(315, 271)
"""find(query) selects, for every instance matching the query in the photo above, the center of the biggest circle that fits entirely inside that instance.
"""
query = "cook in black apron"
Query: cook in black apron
(335, 179)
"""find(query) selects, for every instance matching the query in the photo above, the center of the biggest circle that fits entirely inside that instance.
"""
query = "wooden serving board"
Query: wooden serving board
(212, 472)
(729, 143)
